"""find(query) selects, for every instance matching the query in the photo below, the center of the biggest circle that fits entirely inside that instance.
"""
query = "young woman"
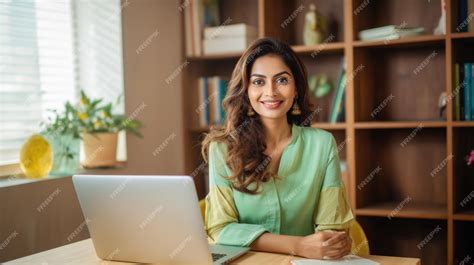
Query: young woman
(275, 183)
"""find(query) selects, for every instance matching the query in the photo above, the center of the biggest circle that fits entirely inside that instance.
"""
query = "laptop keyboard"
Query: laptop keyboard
(217, 256)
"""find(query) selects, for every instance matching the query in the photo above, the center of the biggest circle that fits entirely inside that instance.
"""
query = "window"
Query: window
(49, 50)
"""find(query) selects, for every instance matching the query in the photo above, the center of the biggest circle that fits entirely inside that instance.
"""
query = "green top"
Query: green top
(309, 196)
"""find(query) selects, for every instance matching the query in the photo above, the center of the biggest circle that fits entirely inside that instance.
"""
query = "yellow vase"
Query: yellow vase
(36, 157)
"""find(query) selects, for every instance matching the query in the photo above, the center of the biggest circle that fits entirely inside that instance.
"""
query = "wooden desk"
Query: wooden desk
(83, 252)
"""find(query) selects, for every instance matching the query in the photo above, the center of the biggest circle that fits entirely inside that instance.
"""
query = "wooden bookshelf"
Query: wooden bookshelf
(428, 168)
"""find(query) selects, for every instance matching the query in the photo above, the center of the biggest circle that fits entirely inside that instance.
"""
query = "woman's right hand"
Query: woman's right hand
(324, 245)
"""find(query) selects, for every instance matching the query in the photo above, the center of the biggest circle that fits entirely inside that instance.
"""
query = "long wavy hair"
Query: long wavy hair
(244, 135)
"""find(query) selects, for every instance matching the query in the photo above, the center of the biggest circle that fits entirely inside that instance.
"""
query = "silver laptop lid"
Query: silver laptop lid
(143, 218)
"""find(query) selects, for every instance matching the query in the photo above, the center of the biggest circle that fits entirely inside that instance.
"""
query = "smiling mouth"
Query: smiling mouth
(272, 104)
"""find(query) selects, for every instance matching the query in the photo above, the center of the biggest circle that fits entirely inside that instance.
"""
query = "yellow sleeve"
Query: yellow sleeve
(333, 211)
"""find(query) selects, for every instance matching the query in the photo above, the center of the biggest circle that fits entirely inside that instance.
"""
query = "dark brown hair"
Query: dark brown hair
(244, 135)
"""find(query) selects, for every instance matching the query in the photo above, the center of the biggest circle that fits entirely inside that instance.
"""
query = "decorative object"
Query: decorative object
(36, 157)
(470, 158)
(62, 131)
(441, 28)
(313, 32)
(100, 128)
(319, 86)
(442, 103)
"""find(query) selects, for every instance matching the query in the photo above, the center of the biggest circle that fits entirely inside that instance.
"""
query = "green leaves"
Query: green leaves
(91, 116)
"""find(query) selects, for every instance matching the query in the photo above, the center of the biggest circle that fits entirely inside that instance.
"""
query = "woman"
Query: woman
(275, 183)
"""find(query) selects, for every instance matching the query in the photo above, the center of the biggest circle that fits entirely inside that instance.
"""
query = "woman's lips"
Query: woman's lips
(272, 104)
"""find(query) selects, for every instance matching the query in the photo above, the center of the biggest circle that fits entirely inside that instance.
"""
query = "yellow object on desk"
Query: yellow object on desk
(36, 157)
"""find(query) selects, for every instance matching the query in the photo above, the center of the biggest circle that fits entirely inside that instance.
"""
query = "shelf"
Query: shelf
(222, 56)
(396, 164)
(421, 238)
(319, 49)
(463, 123)
(403, 84)
(299, 49)
(408, 124)
(462, 35)
(409, 210)
(464, 215)
(329, 126)
(408, 41)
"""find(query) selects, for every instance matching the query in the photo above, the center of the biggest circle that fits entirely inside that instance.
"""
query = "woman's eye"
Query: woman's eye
(282, 81)
(258, 82)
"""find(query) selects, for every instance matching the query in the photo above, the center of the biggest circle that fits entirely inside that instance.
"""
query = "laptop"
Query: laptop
(147, 219)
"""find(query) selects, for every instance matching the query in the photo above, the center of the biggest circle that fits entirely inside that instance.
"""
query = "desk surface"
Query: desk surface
(83, 252)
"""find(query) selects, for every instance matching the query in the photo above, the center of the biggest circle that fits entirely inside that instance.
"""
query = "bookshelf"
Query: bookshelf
(431, 203)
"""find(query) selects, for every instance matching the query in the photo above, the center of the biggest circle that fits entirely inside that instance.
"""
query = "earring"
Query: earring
(250, 112)
(296, 109)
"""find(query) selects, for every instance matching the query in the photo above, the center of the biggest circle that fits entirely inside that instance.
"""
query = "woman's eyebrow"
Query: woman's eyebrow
(280, 73)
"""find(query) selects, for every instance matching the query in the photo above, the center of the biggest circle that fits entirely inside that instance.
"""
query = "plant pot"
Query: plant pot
(100, 150)
(65, 154)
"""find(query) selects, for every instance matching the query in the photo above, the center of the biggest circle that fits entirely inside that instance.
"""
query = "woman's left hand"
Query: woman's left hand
(338, 246)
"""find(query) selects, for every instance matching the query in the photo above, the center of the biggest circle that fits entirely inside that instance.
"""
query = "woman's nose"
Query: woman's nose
(271, 89)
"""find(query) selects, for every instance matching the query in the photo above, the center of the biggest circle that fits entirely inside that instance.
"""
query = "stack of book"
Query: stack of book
(463, 92)
(228, 38)
(212, 91)
(198, 14)
(465, 16)
(337, 112)
(390, 32)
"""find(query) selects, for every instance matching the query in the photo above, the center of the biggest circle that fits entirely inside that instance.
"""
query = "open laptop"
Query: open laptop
(147, 219)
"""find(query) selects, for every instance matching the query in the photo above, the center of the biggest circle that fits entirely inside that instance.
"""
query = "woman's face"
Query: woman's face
(272, 87)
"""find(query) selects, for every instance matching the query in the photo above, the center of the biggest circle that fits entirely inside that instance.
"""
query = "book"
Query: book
(337, 100)
(462, 16)
(461, 92)
(389, 32)
(212, 90)
(222, 92)
(197, 15)
(349, 259)
(211, 12)
(457, 99)
(230, 31)
(471, 90)
(467, 91)
(470, 14)
(202, 110)
(188, 32)
(224, 45)
(210, 101)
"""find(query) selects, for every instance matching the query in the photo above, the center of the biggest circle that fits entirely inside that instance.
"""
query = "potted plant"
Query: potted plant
(100, 128)
(62, 130)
